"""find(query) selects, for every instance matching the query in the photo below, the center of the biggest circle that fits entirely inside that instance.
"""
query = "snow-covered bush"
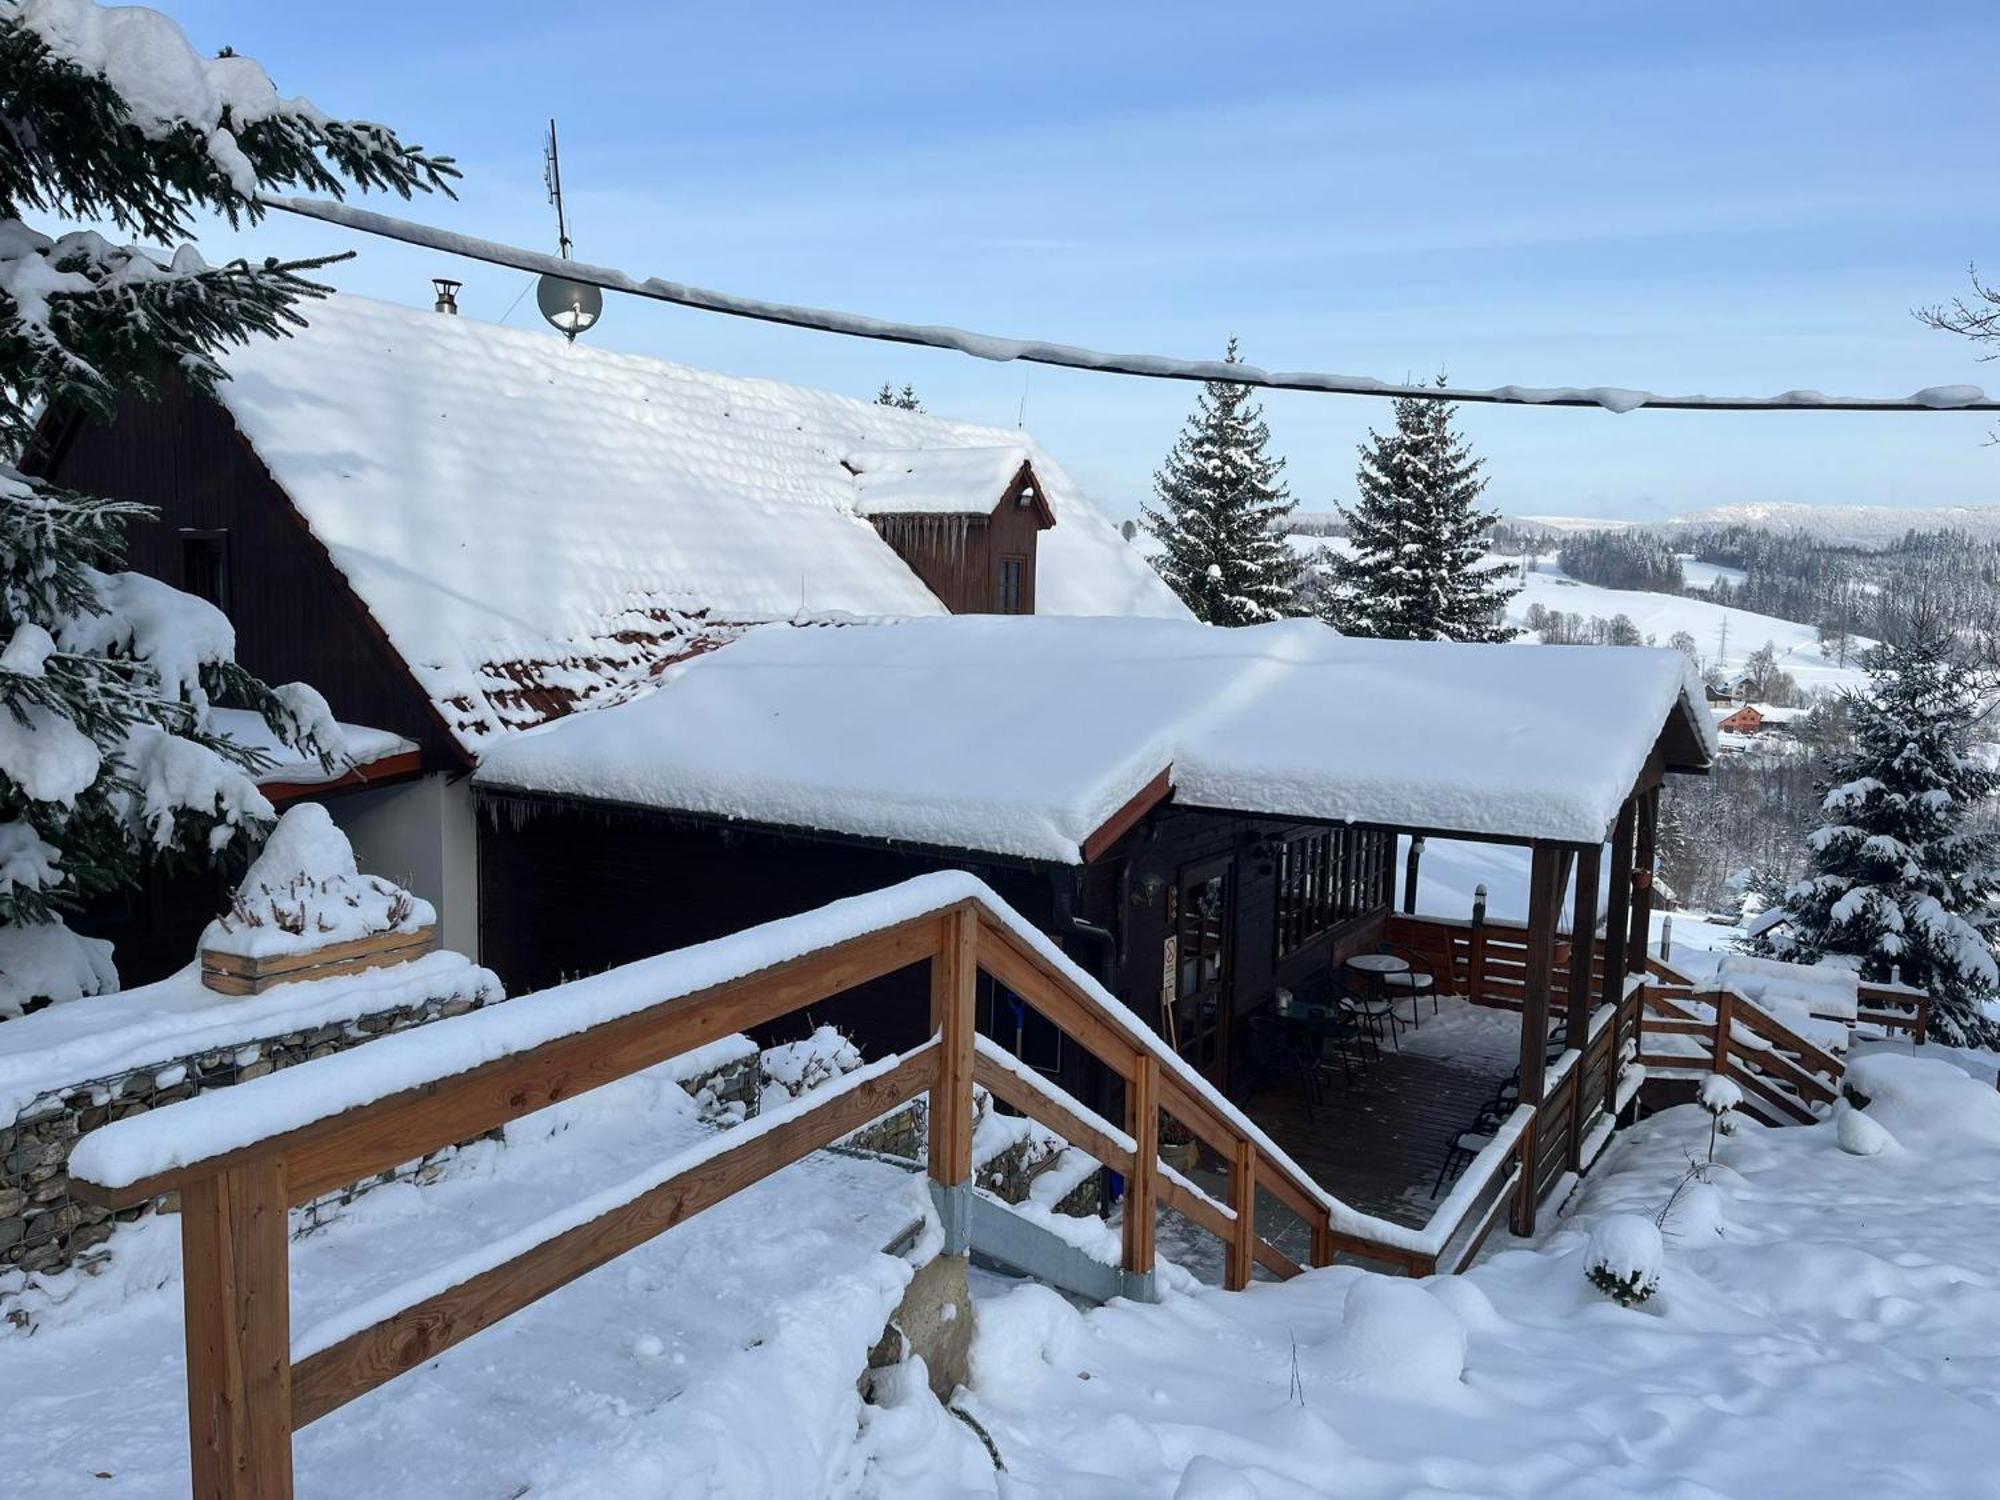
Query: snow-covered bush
(1718, 1096)
(1397, 1339)
(107, 761)
(794, 1068)
(1921, 1101)
(1625, 1258)
(1857, 1133)
(305, 892)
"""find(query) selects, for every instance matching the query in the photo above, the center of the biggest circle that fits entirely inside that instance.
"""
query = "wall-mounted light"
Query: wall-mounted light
(1148, 889)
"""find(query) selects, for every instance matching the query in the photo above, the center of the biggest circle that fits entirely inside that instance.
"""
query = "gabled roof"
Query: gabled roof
(1026, 736)
(537, 525)
(937, 481)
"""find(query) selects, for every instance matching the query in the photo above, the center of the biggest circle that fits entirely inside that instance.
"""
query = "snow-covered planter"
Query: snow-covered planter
(304, 911)
(1625, 1258)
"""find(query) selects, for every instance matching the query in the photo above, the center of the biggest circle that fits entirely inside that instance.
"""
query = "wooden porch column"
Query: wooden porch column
(1582, 988)
(235, 1271)
(1142, 1123)
(1544, 899)
(954, 982)
(1618, 912)
(1642, 878)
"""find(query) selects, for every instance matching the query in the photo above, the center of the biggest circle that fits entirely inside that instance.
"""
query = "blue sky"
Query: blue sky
(1691, 197)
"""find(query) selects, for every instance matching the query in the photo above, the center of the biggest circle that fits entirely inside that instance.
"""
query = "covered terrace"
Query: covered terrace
(1214, 816)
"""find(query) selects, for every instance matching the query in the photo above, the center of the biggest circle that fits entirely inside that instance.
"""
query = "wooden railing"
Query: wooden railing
(1729, 1034)
(240, 1158)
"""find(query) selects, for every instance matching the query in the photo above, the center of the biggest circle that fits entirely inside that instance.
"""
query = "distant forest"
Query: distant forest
(1841, 591)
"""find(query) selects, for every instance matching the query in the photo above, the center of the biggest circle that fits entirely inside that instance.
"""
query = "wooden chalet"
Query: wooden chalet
(1199, 817)
(457, 531)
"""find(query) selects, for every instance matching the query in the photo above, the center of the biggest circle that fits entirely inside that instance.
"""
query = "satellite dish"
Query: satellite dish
(570, 306)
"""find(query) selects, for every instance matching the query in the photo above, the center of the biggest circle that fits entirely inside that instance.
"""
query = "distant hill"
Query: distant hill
(1866, 526)
(1850, 525)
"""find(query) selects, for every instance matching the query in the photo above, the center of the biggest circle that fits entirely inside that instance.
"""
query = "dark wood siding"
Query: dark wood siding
(568, 889)
(296, 620)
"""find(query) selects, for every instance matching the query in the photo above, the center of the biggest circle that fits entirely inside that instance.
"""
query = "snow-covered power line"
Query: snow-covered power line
(1151, 366)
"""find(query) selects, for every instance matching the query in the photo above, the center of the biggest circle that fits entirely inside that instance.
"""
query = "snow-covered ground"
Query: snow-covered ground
(719, 1359)
(1825, 1325)
(1661, 615)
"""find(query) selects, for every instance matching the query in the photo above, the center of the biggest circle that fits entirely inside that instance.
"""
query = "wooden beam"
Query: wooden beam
(1122, 822)
(1242, 1253)
(1618, 911)
(1032, 977)
(1005, 1085)
(404, 765)
(1645, 856)
(1142, 1186)
(335, 1152)
(1544, 899)
(235, 1269)
(328, 1380)
(1583, 987)
(954, 1021)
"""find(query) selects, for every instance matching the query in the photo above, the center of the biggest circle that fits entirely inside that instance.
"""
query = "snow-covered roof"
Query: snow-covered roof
(536, 524)
(1024, 736)
(934, 481)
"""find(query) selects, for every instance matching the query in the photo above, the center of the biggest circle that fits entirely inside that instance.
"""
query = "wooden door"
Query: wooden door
(1203, 1004)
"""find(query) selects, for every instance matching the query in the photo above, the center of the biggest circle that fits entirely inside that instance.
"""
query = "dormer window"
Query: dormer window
(965, 520)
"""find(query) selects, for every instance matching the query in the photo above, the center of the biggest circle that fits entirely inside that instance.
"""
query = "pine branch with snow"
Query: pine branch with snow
(1221, 505)
(1416, 537)
(108, 763)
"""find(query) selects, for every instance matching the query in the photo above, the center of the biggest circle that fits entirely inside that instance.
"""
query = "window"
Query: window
(1013, 585)
(1327, 877)
(205, 566)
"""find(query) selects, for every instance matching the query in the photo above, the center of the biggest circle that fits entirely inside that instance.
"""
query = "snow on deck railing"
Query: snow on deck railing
(496, 1253)
(132, 1150)
(183, 1135)
(1036, 351)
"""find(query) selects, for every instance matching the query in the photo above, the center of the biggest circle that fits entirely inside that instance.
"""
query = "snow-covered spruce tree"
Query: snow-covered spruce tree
(107, 759)
(1221, 504)
(1900, 875)
(1416, 537)
(904, 400)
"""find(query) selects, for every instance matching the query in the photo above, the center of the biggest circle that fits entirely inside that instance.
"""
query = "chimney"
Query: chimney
(447, 290)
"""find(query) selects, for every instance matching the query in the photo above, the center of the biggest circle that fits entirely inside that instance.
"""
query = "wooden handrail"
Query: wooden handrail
(239, 1158)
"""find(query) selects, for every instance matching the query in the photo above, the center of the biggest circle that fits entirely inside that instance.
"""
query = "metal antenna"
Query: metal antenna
(552, 175)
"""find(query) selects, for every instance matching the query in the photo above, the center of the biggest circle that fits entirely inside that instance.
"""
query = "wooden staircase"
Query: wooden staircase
(240, 1158)
(1690, 1031)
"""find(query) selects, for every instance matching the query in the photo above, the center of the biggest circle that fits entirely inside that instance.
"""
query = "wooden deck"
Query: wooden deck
(1378, 1144)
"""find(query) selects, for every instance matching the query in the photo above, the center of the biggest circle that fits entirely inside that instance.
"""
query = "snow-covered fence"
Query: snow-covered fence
(1722, 1031)
(239, 1159)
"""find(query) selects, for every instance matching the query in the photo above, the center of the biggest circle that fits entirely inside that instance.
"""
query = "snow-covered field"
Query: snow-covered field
(1660, 615)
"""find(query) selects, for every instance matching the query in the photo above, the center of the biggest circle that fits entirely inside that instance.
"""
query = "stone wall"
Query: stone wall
(43, 1229)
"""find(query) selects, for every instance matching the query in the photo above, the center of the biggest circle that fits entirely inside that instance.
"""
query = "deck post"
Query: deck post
(1644, 855)
(1618, 908)
(1725, 1025)
(1582, 981)
(1243, 1199)
(1142, 1123)
(235, 1270)
(1544, 897)
(954, 981)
